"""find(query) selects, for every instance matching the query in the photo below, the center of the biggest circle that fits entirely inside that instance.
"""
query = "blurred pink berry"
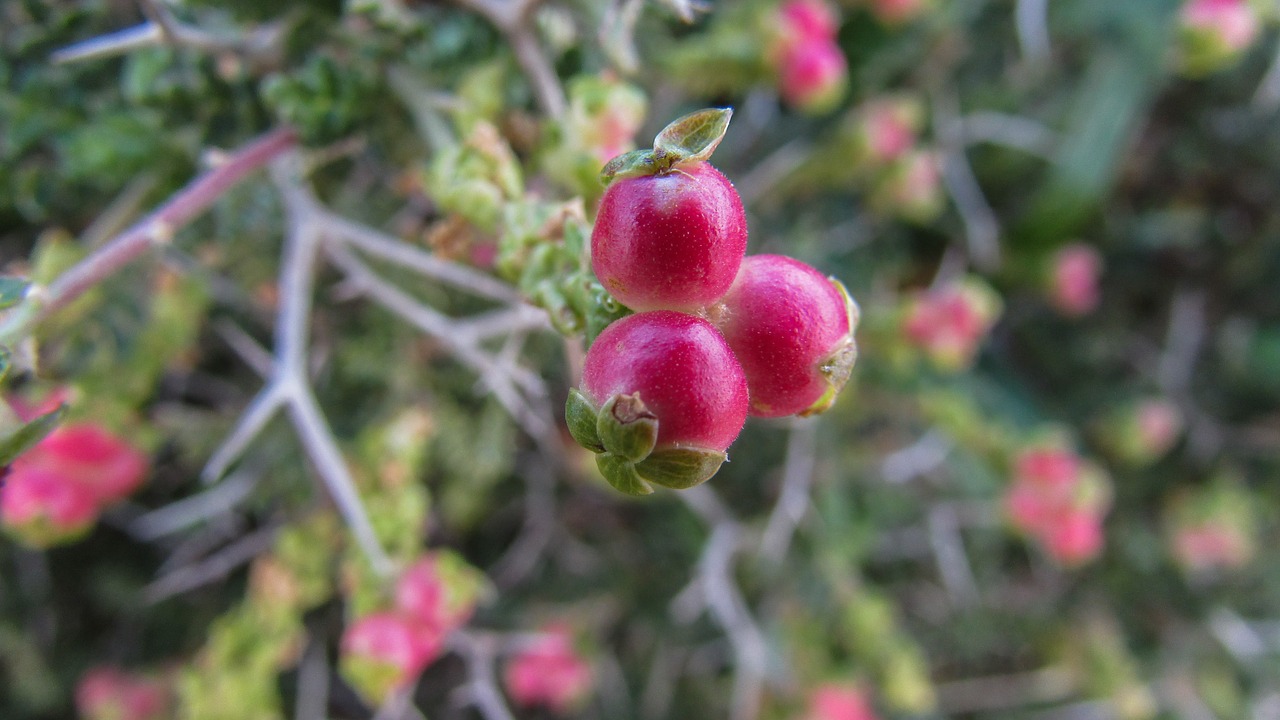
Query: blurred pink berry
(1233, 22)
(1051, 467)
(888, 128)
(1211, 544)
(438, 592)
(43, 508)
(107, 693)
(1073, 283)
(1075, 537)
(949, 322)
(88, 455)
(911, 187)
(813, 75)
(808, 19)
(839, 702)
(385, 651)
(549, 673)
(1159, 423)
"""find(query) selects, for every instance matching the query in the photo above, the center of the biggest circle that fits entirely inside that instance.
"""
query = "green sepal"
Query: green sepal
(12, 291)
(852, 312)
(694, 137)
(27, 435)
(835, 369)
(627, 428)
(621, 474)
(580, 415)
(680, 468)
(631, 164)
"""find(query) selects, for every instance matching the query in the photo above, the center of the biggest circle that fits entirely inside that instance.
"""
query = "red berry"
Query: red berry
(839, 702)
(669, 241)
(88, 455)
(439, 591)
(44, 508)
(813, 75)
(683, 371)
(791, 327)
(1073, 281)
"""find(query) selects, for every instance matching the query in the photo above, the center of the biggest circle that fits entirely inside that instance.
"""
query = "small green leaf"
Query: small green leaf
(632, 164)
(627, 428)
(580, 416)
(12, 291)
(693, 137)
(6, 362)
(22, 439)
(621, 474)
(680, 468)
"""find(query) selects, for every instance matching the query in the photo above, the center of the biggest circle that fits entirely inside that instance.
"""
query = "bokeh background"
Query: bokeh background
(1048, 491)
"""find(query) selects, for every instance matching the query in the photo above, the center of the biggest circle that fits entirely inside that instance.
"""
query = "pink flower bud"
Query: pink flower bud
(1073, 281)
(887, 128)
(839, 702)
(1214, 527)
(549, 673)
(1159, 423)
(911, 188)
(107, 693)
(813, 75)
(1059, 500)
(949, 322)
(1232, 23)
(385, 651)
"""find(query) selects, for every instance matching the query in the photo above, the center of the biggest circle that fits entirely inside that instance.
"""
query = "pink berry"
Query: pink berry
(791, 327)
(813, 75)
(385, 651)
(683, 371)
(549, 673)
(1075, 537)
(438, 592)
(43, 508)
(671, 240)
(88, 455)
(107, 693)
(839, 702)
(808, 19)
(1233, 23)
(1073, 282)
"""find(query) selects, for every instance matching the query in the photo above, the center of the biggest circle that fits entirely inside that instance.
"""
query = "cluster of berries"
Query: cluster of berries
(902, 175)
(1059, 499)
(55, 491)
(109, 693)
(812, 71)
(389, 649)
(1215, 33)
(665, 391)
(1214, 527)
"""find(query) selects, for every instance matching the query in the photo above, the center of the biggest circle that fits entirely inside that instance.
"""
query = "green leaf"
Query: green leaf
(26, 436)
(632, 164)
(12, 291)
(680, 468)
(693, 137)
(621, 474)
(6, 362)
(580, 415)
(627, 428)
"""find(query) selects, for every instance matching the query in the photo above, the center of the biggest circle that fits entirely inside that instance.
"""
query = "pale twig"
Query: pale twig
(1244, 643)
(949, 554)
(725, 602)
(248, 349)
(513, 18)
(197, 508)
(522, 556)
(313, 684)
(793, 501)
(212, 568)
(478, 651)
(1267, 97)
(982, 229)
(1032, 20)
(288, 387)
(399, 706)
(918, 458)
(1012, 131)
(760, 181)
(156, 229)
